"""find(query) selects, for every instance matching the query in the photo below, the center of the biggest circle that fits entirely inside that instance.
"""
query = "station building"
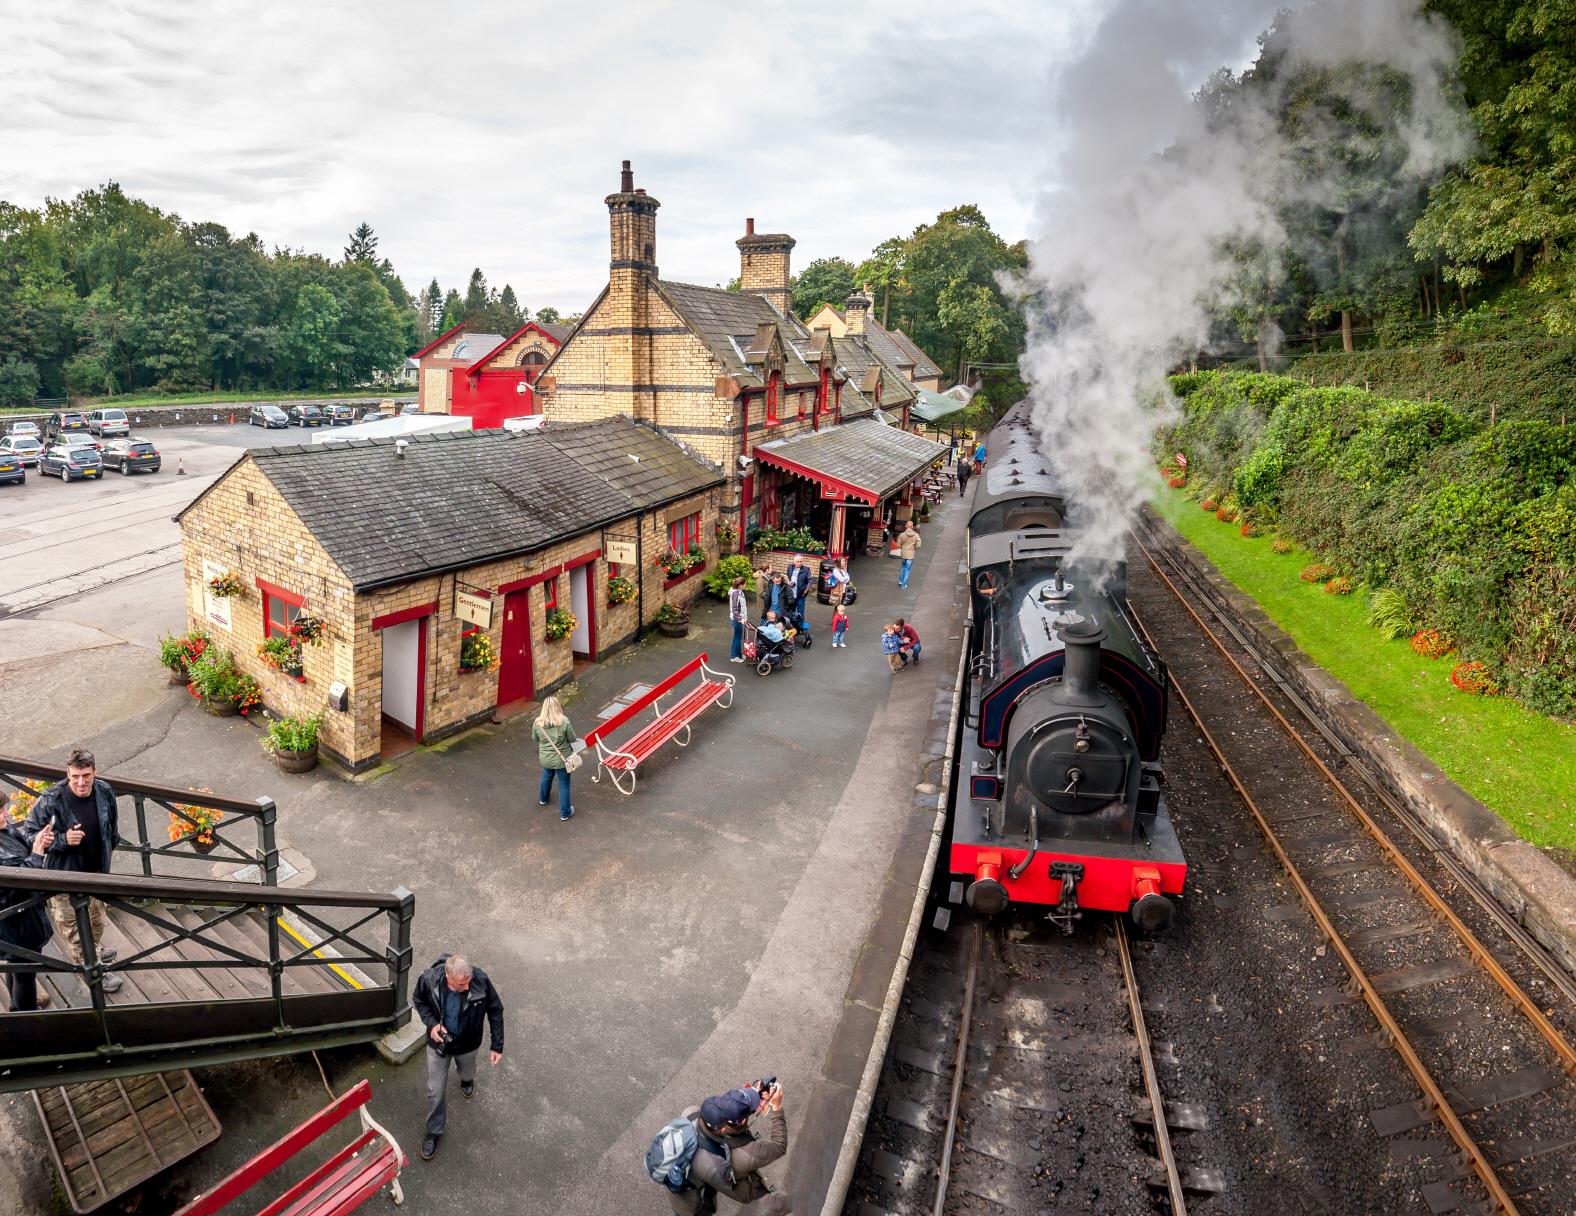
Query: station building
(894, 347)
(486, 377)
(402, 548)
(740, 378)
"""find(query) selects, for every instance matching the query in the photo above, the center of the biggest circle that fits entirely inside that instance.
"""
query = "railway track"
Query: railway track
(1475, 1024)
(1022, 1078)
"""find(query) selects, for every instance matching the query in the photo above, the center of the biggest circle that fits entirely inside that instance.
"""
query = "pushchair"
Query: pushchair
(765, 654)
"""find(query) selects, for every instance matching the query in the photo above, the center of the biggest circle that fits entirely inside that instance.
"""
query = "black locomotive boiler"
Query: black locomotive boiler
(1059, 799)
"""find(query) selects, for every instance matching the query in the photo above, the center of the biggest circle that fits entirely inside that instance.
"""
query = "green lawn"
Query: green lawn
(129, 400)
(1520, 764)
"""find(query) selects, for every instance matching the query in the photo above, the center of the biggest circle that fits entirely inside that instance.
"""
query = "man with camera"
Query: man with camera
(729, 1157)
(452, 999)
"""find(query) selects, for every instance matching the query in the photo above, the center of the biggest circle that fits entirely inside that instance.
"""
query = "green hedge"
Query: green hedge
(1474, 526)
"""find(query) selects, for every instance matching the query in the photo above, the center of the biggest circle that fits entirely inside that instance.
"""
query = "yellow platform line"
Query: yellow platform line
(339, 971)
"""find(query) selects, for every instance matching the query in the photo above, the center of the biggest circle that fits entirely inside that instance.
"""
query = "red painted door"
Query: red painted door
(514, 670)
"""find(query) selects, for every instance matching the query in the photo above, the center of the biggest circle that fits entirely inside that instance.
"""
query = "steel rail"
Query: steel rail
(1535, 951)
(1392, 1030)
(1146, 1060)
(944, 1173)
(1529, 1009)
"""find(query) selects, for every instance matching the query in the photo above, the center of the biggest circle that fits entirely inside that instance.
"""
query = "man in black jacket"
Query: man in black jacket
(452, 999)
(82, 811)
(21, 925)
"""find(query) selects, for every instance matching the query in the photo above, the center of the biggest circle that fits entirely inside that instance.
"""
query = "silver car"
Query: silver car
(105, 423)
(25, 448)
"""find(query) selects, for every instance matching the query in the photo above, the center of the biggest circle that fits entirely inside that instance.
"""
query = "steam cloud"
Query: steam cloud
(1128, 268)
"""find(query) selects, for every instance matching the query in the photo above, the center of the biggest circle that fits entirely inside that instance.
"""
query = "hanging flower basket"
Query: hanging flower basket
(725, 535)
(307, 629)
(620, 590)
(560, 623)
(227, 586)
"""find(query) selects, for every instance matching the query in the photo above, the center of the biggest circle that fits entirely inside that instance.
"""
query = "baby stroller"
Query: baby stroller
(765, 654)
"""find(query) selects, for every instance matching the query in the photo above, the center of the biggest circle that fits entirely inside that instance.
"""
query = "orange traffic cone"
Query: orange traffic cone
(232, 417)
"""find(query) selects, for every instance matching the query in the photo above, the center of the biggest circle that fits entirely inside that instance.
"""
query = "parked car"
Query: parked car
(66, 423)
(105, 423)
(410, 407)
(130, 454)
(25, 448)
(339, 415)
(267, 416)
(71, 462)
(306, 415)
(73, 440)
(11, 469)
(23, 428)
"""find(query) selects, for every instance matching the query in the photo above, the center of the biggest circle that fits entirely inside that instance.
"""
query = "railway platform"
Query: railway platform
(741, 915)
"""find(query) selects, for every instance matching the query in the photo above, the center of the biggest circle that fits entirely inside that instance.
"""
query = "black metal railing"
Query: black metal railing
(223, 969)
(244, 834)
(286, 933)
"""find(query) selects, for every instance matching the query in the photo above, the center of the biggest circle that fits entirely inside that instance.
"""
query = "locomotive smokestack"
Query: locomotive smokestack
(1081, 638)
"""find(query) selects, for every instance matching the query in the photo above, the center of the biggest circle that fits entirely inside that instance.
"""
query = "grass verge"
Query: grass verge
(1520, 764)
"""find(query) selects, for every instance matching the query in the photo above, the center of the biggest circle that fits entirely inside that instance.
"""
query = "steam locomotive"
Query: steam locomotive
(1059, 798)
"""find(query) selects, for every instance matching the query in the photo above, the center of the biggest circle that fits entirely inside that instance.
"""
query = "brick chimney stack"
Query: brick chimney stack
(856, 309)
(632, 267)
(763, 265)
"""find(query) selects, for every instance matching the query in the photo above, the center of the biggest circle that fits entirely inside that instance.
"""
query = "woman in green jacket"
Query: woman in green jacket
(555, 743)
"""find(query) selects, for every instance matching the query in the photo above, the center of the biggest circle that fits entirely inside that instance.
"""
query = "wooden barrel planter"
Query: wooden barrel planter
(222, 708)
(296, 762)
(178, 676)
(673, 629)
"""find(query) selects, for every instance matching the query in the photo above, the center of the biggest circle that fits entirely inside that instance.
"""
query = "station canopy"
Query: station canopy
(864, 459)
(933, 407)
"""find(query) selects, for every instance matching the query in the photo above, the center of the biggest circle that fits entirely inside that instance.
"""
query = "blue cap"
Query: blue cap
(731, 1107)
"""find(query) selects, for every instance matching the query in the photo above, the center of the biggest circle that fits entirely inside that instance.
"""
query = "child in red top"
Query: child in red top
(840, 626)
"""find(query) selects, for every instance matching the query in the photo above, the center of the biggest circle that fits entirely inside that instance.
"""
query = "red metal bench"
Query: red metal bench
(622, 761)
(341, 1184)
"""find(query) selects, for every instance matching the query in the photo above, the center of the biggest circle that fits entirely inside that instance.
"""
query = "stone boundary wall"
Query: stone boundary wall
(1530, 885)
(143, 417)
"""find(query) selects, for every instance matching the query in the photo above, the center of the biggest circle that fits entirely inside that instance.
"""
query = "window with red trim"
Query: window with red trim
(612, 569)
(838, 400)
(280, 609)
(769, 507)
(682, 533)
(532, 362)
(549, 595)
(800, 401)
(773, 391)
(820, 392)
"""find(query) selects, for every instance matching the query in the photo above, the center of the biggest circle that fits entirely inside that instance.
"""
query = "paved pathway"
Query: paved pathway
(650, 951)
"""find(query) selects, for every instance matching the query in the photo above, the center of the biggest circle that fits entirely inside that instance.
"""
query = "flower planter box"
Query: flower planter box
(296, 762)
(675, 579)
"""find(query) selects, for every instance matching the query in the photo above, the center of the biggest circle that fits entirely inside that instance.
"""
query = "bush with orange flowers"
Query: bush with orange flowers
(1249, 529)
(1280, 545)
(1209, 504)
(1473, 677)
(1318, 572)
(1339, 585)
(1431, 644)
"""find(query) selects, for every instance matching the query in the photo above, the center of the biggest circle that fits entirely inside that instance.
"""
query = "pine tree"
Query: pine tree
(510, 312)
(363, 245)
(476, 301)
(453, 311)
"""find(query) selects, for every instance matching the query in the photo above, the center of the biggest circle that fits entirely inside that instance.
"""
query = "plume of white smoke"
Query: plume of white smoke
(1128, 269)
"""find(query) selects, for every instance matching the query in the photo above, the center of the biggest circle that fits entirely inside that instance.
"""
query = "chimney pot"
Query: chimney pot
(640, 189)
(749, 226)
(626, 181)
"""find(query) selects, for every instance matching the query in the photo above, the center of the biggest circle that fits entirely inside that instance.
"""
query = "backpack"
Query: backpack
(668, 1159)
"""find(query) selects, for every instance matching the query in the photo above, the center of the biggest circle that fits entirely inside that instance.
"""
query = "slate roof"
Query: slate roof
(855, 355)
(559, 330)
(924, 366)
(474, 346)
(664, 471)
(459, 498)
(865, 456)
(729, 321)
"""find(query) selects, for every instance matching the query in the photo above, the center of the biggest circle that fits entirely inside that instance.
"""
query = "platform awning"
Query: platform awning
(933, 407)
(864, 459)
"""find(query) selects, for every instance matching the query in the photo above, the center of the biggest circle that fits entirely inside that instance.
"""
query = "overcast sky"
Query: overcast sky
(488, 133)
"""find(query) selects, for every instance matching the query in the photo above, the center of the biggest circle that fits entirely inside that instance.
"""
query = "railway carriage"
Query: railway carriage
(1060, 796)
